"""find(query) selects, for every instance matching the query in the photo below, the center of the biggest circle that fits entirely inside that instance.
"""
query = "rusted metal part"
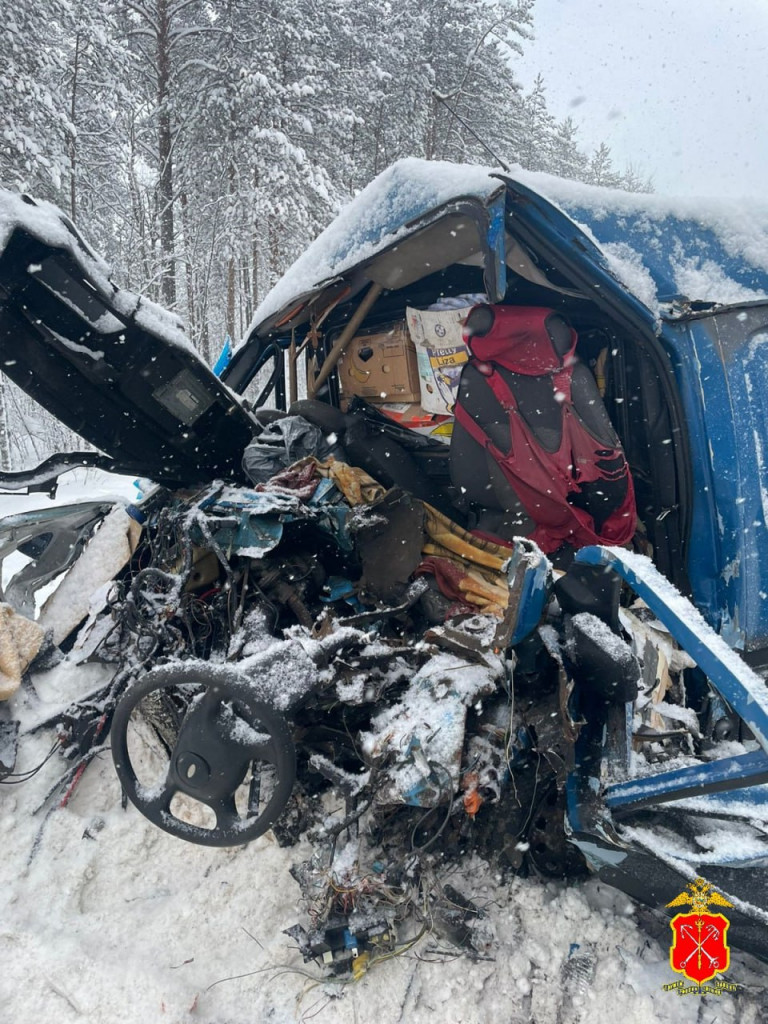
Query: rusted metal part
(344, 339)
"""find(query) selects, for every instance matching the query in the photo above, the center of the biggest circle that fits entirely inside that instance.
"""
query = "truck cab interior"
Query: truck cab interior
(623, 380)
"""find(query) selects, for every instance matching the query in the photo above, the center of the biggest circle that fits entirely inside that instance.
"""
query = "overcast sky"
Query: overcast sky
(677, 87)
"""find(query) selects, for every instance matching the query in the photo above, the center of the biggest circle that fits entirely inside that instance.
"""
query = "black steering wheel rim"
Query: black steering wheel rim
(213, 752)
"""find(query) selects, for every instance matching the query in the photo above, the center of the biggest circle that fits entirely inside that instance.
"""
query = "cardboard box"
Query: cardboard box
(381, 367)
(441, 355)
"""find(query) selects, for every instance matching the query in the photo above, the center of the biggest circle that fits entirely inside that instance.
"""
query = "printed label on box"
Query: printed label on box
(441, 354)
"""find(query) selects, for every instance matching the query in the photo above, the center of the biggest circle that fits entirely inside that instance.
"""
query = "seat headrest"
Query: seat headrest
(531, 340)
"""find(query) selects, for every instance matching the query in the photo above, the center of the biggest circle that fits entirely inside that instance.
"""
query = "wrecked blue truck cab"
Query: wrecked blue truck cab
(682, 291)
(716, 350)
(294, 645)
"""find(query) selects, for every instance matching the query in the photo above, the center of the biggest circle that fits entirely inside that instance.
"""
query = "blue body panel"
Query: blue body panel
(724, 386)
(734, 682)
(664, 242)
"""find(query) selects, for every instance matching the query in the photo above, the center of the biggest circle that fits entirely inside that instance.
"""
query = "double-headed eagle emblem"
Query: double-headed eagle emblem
(701, 894)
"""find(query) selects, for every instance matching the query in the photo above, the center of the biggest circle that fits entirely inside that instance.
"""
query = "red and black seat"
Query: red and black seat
(533, 451)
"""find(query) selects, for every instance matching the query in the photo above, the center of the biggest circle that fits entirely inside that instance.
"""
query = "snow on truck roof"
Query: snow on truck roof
(373, 220)
(703, 249)
(660, 247)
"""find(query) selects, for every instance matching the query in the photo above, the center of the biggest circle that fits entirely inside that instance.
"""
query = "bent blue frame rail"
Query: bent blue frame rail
(736, 683)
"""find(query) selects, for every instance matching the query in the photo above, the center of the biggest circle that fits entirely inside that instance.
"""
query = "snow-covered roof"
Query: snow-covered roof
(707, 249)
(658, 246)
(374, 219)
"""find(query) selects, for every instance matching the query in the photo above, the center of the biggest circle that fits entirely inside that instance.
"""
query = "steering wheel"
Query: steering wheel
(224, 731)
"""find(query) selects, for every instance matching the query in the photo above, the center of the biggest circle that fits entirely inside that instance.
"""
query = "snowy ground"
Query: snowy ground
(106, 919)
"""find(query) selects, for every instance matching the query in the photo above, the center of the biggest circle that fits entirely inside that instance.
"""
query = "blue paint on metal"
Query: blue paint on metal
(736, 772)
(261, 532)
(326, 510)
(667, 242)
(225, 357)
(705, 556)
(561, 234)
(496, 241)
(337, 588)
(334, 520)
(727, 570)
(136, 513)
(732, 347)
(252, 535)
(700, 643)
(520, 748)
(751, 800)
(662, 241)
(533, 595)
(573, 813)
(326, 491)
(242, 499)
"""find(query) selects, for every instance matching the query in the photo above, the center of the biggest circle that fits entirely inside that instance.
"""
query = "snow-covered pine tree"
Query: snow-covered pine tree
(567, 160)
(34, 124)
(539, 129)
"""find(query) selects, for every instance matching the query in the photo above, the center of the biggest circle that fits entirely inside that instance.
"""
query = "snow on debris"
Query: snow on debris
(680, 606)
(113, 920)
(106, 918)
(603, 637)
(47, 223)
(154, 319)
(281, 673)
(106, 553)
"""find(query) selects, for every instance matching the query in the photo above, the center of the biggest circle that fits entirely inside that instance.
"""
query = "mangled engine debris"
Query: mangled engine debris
(297, 672)
(338, 662)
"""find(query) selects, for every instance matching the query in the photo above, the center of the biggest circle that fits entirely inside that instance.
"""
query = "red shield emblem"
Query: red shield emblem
(699, 948)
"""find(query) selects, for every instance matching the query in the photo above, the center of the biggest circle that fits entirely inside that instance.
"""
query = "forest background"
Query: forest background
(200, 146)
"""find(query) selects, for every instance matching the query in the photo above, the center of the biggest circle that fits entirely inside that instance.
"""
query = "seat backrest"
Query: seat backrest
(525, 389)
